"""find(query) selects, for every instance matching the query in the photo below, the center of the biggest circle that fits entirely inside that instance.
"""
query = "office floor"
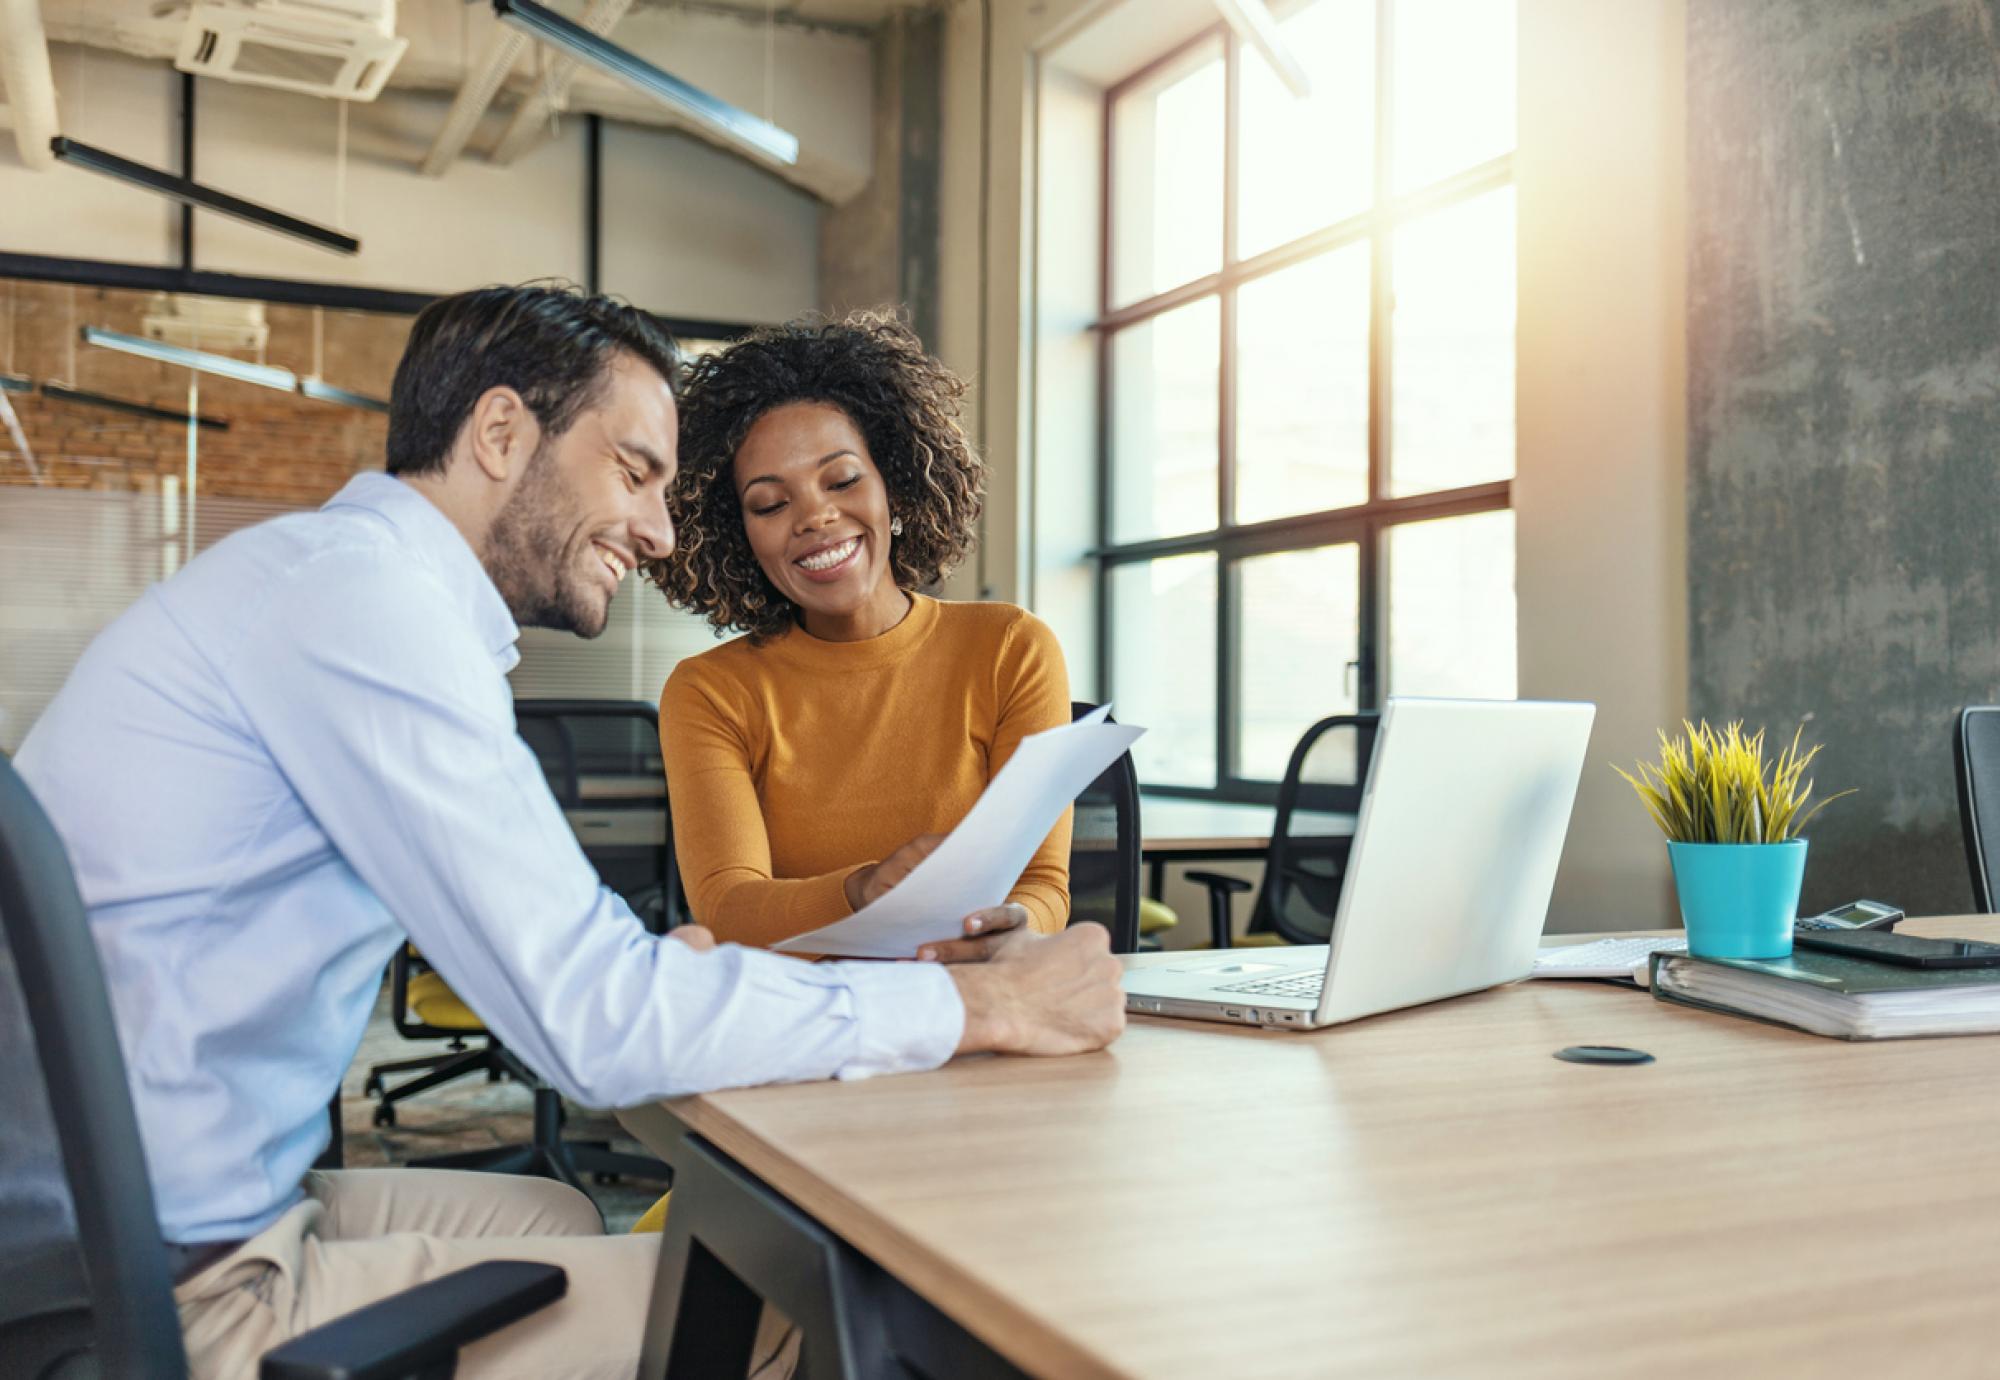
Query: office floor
(468, 1114)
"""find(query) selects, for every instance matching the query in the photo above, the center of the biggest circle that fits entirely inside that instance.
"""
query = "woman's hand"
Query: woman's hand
(984, 931)
(874, 881)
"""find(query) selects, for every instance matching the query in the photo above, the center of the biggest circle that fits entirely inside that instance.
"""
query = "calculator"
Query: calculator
(1855, 915)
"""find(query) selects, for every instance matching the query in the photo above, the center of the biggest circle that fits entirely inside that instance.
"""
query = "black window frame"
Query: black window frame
(1366, 524)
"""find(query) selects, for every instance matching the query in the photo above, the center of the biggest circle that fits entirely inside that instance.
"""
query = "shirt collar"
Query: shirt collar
(429, 533)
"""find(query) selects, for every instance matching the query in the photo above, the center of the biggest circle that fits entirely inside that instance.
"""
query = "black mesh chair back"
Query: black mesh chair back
(83, 1277)
(602, 760)
(1306, 866)
(1104, 851)
(1975, 750)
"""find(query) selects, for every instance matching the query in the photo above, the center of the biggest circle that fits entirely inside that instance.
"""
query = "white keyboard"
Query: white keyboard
(1601, 958)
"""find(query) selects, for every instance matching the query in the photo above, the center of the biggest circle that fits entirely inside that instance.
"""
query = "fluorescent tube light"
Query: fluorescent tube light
(242, 370)
(16, 383)
(206, 198)
(546, 26)
(58, 392)
(321, 391)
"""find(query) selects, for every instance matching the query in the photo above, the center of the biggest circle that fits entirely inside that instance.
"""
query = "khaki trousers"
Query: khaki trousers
(364, 1234)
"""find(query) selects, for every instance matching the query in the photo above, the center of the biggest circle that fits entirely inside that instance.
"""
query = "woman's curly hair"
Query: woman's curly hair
(904, 403)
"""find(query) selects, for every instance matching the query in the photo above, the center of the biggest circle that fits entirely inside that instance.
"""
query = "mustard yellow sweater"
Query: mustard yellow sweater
(793, 764)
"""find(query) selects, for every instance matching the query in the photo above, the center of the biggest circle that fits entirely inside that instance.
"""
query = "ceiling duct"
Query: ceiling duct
(206, 323)
(343, 49)
(29, 82)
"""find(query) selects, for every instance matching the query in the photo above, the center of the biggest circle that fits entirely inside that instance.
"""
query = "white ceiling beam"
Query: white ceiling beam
(550, 93)
(30, 82)
(1254, 25)
(503, 49)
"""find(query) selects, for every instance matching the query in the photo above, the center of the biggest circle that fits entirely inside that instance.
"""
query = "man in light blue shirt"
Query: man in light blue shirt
(301, 749)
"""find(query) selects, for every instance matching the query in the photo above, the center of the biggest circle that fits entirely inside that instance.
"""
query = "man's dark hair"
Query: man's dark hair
(551, 343)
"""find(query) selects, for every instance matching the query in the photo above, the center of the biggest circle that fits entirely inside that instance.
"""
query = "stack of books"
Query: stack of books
(1832, 994)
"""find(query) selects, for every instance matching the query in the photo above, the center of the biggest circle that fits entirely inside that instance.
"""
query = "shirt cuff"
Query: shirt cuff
(908, 1017)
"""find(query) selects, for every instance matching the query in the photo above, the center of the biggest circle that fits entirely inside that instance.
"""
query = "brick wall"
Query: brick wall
(278, 448)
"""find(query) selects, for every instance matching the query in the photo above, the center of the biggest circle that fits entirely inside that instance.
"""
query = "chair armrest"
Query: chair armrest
(413, 1332)
(1220, 889)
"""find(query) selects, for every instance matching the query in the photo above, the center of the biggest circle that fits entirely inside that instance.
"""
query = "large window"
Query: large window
(1307, 335)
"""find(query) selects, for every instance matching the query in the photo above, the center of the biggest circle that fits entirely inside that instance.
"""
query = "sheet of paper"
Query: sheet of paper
(979, 861)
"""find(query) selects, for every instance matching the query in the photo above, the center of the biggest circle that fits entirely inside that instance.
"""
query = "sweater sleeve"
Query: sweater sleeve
(1032, 692)
(720, 842)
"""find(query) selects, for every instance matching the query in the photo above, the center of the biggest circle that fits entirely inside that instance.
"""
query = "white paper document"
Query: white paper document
(979, 861)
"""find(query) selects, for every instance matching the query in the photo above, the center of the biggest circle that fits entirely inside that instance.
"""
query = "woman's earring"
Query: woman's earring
(895, 527)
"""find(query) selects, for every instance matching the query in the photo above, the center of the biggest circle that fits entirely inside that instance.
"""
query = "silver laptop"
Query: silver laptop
(1462, 820)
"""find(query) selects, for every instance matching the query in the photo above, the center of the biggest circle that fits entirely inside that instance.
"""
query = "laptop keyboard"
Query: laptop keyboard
(1284, 985)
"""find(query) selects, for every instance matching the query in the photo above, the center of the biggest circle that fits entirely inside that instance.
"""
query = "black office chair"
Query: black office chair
(1104, 851)
(1975, 754)
(1303, 872)
(84, 1287)
(602, 762)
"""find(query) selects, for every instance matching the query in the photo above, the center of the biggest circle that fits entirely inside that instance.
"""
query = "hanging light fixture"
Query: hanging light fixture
(190, 193)
(62, 392)
(242, 370)
(321, 391)
(737, 125)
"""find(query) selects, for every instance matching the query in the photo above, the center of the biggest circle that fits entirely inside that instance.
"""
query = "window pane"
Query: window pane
(1302, 388)
(1452, 347)
(1298, 614)
(1164, 423)
(1453, 87)
(1166, 169)
(1163, 666)
(1451, 607)
(1308, 163)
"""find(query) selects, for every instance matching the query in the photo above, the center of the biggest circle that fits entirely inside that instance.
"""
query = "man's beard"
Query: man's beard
(526, 560)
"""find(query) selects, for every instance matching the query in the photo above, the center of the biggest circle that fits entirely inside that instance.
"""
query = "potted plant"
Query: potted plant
(1732, 822)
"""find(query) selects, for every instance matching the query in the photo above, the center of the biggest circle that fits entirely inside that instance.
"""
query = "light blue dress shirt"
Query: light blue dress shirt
(302, 747)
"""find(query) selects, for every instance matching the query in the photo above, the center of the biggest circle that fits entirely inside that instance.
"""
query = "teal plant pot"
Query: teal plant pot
(1738, 900)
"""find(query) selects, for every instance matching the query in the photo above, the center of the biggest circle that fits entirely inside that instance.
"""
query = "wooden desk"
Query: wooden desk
(1424, 1193)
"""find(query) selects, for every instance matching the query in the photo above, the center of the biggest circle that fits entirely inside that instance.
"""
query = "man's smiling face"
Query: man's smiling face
(591, 505)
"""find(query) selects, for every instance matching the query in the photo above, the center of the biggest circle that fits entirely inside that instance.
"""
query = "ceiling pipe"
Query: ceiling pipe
(30, 81)
(475, 93)
(551, 91)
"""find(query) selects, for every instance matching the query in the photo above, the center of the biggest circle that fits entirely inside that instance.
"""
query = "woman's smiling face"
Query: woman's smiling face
(816, 511)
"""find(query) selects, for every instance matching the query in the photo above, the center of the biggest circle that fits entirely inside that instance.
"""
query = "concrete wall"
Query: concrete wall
(1844, 340)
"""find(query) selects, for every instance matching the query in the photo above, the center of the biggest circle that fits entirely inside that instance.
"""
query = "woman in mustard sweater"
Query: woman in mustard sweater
(813, 762)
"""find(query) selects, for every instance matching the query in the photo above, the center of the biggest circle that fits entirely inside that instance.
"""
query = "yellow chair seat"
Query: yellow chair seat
(1155, 916)
(431, 1001)
(655, 1217)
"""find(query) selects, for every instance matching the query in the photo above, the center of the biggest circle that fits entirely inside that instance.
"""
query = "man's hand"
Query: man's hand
(1054, 994)
(985, 930)
(869, 883)
(697, 937)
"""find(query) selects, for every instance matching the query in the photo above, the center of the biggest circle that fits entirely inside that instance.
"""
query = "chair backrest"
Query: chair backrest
(82, 1270)
(602, 759)
(1305, 867)
(1104, 851)
(1975, 751)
